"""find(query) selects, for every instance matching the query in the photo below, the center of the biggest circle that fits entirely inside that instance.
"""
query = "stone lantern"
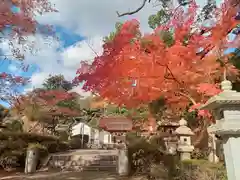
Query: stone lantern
(184, 144)
(226, 110)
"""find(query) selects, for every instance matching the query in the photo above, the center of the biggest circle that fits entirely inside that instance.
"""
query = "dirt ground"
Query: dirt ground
(70, 176)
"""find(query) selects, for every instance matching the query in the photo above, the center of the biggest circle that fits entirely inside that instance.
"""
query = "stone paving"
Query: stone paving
(90, 175)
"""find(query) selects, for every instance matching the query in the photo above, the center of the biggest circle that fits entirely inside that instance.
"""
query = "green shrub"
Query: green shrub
(142, 153)
(200, 153)
(56, 146)
(201, 170)
(30, 137)
(13, 147)
(37, 146)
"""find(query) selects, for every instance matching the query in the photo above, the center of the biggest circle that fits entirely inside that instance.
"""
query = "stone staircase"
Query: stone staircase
(84, 160)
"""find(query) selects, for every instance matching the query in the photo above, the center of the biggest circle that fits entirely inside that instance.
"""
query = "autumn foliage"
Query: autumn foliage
(44, 104)
(136, 68)
(19, 15)
(17, 23)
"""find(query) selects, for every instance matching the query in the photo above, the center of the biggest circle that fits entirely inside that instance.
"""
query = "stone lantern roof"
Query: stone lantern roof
(227, 122)
(227, 96)
(183, 129)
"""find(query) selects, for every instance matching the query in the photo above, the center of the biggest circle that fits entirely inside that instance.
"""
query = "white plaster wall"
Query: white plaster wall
(81, 128)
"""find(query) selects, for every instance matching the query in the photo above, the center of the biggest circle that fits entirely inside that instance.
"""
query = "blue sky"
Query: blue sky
(67, 38)
(80, 28)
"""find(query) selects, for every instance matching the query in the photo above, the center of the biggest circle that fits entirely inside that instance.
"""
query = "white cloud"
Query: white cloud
(91, 17)
(81, 92)
(50, 60)
(38, 78)
(83, 50)
(46, 56)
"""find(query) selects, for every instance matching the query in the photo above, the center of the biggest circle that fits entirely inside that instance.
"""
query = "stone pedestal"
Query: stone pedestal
(185, 152)
(226, 109)
(213, 158)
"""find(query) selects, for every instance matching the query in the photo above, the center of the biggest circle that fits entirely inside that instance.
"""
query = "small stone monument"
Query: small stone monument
(226, 110)
(184, 144)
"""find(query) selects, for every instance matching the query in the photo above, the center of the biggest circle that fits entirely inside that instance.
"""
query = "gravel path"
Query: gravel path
(70, 176)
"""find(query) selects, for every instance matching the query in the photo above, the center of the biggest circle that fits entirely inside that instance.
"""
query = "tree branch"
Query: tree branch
(187, 96)
(135, 11)
(201, 134)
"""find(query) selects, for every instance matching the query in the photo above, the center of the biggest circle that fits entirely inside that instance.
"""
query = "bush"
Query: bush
(76, 142)
(56, 146)
(200, 153)
(13, 147)
(147, 157)
(201, 170)
(142, 153)
(30, 137)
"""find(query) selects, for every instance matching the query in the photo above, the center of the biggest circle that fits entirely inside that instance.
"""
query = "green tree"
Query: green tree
(54, 82)
(3, 112)
(15, 126)
(110, 37)
(158, 19)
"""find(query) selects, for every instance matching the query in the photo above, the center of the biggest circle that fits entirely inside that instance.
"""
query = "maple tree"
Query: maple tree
(43, 106)
(18, 21)
(49, 107)
(136, 69)
(48, 100)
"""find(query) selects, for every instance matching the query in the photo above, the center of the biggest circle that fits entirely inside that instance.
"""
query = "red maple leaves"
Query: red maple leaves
(136, 69)
(47, 102)
(19, 16)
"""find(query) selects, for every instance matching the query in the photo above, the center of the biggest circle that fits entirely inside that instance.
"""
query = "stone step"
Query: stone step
(100, 168)
(85, 160)
(89, 167)
(80, 163)
(83, 163)
(89, 151)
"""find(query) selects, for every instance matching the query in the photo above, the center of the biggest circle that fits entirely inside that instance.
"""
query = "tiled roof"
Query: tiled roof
(116, 123)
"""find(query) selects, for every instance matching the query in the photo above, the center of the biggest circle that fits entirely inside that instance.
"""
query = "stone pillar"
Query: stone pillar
(226, 110)
(110, 138)
(213, 158)
(123, 164)
(184, 133)
(31, 160)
